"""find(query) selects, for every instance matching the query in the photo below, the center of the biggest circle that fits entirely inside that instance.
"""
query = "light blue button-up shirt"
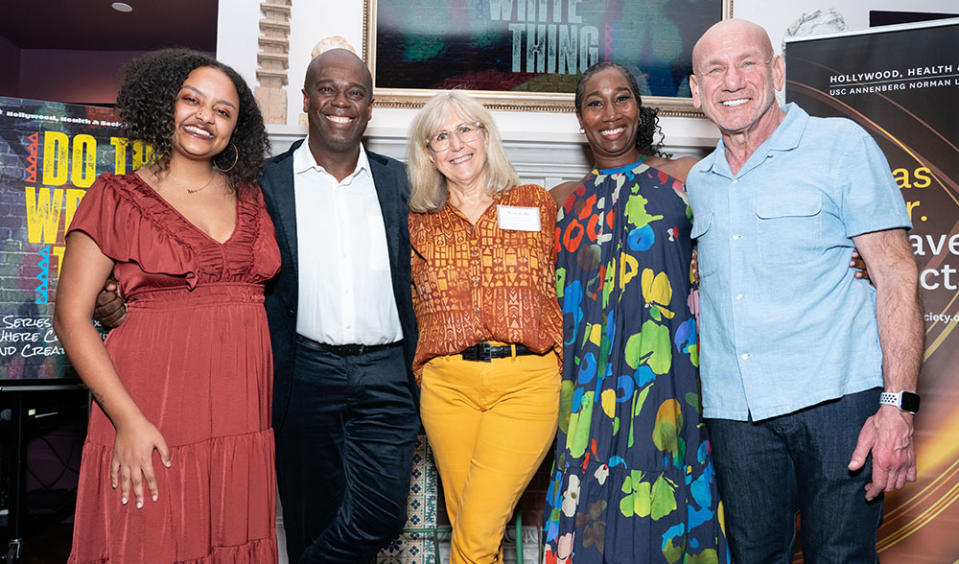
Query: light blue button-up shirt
(784, 324)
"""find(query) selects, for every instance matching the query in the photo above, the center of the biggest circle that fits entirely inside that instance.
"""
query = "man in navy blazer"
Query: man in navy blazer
(343, 331)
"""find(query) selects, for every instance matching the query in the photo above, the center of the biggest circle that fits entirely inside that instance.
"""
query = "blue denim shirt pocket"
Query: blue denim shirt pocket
(789, 226)
(705, 242)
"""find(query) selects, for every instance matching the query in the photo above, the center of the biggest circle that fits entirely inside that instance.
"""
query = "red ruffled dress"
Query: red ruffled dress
(194, 352)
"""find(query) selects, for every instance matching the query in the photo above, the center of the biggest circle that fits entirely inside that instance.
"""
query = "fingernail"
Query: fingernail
(113, 485)
(155, 497)
(167, 463)
(139, 505)
(123, 500)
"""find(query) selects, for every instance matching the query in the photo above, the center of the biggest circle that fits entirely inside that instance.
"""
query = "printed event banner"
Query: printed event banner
(902, 84)
(537, 45)
(50, 153)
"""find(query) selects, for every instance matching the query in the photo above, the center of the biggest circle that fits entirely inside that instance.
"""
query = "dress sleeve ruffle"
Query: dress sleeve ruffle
(265, 245)
(129, 223)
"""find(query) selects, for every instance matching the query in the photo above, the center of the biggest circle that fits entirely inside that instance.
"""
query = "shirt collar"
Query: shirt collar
(785, 138)
(303, 161)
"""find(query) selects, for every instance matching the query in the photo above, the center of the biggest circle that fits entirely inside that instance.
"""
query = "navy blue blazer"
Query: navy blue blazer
(392, 190)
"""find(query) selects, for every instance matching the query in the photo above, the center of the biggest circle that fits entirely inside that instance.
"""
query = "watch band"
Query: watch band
(906, 401)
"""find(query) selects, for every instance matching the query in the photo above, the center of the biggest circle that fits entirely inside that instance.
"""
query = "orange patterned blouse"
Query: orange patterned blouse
(484, 283)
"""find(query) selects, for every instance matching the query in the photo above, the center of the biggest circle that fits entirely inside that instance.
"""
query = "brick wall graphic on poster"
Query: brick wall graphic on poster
(50, 153)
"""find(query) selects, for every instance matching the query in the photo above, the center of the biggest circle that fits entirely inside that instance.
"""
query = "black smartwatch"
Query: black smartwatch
(906, 401)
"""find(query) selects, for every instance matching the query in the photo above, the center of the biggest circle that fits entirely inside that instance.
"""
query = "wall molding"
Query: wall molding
(273, 60)
(546, 163)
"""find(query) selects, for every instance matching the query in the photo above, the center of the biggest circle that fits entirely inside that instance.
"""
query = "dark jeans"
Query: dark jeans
(772, 469)
(344, 454)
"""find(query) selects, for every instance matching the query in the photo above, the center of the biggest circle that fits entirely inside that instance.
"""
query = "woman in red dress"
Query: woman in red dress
(178, 461)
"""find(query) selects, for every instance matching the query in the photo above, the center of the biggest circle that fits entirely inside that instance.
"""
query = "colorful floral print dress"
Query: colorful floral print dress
(633, 479)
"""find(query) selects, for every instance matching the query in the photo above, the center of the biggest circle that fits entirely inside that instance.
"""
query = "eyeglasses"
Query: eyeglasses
(745, 67)
(466, 132)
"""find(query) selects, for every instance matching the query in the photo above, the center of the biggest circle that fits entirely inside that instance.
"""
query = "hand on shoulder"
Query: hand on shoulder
(561, 192)
(677, 168)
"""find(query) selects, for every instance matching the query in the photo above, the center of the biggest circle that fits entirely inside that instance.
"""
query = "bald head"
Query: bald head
(731, 32)
(338, 101)
(734, 81)
(342, 58)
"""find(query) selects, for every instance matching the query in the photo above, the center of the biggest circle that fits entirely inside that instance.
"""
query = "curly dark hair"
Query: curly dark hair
(148, 95)
(649, 136)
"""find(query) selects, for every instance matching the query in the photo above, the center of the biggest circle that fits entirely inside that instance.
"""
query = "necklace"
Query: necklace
(195, 190)
(213, 175)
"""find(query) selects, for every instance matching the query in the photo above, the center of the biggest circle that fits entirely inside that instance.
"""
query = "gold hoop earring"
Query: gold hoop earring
(236, 157)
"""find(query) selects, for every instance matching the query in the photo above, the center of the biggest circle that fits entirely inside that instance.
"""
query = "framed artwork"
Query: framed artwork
(529, 54)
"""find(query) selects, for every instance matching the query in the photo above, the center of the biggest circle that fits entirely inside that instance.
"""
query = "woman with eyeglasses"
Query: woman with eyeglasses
(490, 335)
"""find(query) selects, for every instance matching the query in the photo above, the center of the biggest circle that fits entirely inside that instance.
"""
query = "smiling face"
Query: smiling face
(337, 99)
(735, 79)
(463, 160)
(609, 115)
(204, 114)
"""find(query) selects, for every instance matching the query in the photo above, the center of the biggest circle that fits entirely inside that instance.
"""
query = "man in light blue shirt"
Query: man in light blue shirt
(796, 351)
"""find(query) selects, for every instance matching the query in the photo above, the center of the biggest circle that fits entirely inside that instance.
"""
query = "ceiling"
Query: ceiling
(94, 25)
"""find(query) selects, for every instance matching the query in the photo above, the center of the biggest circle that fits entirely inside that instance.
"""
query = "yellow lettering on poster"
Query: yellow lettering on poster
(120, 163)
(84, 160)
(142, 154)
(917, 178)
(56, 146)
(922, 177)
(43, 214)
(911, 206)
(57, 251)
(73, 197)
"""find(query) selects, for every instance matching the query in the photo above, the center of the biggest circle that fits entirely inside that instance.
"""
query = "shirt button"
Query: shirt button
(739, 296)
(474, 253)
(745, 356)
(476, 309)
(737, 236)
(735, 181)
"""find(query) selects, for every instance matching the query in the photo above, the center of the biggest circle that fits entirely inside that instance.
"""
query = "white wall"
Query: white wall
(776, 15)
(313, 20)
(237, 30)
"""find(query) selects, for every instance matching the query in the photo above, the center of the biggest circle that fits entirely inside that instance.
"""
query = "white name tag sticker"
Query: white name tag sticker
(518, 218)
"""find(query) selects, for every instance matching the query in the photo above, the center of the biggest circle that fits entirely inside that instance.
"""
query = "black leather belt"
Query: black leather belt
(484, 352)
(344, 350)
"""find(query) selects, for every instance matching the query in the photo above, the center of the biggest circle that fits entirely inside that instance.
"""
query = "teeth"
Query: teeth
(198, 131)
(339, 119)
(462, 159)
(611, 132)
(732, 103)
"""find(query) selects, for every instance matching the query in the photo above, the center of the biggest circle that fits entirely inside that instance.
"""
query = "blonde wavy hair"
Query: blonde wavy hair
(428, 190)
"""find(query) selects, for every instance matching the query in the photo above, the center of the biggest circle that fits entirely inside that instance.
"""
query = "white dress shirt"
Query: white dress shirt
(345, 288)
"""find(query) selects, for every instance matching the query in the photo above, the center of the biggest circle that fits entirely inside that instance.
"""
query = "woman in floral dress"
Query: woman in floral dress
(633, 480)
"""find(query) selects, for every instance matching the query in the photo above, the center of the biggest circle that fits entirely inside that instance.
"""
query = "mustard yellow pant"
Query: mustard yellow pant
(490, 425)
